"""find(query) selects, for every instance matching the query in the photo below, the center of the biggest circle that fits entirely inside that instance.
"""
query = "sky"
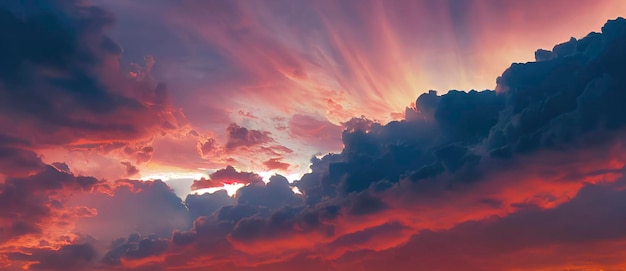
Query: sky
(355, 135)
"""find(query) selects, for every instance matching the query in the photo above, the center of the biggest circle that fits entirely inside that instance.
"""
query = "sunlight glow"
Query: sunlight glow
(166, 176)
(231, 189)
(154, 171)
(296, 190)
(266, 175)
(172, 173)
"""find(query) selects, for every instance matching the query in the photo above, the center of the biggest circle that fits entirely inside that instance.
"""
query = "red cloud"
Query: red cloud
(275, 163)
(243, 137)
(228, 175)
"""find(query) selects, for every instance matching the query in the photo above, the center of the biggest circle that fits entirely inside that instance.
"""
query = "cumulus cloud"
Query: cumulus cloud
(30, 204)
(66, 94)
(61, 83)
(276, 193)
(208, 203)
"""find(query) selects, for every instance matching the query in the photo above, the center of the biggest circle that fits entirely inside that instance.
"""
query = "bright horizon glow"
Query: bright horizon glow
(172, 173)
(153, 171)
(231, 189)
(296, 190)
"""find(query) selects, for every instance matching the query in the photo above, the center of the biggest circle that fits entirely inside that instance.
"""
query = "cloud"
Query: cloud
(567, 236)
(208, 146)
(130, 206)
(16, 159)
(31, 204)
(323, 134)
(228, 175)
(275, 194)
(64, 89)
(63, 95)
(130, 169)
(243, 137)
(74, 257)
(556, 102)
(135, 247)
(275, 163)
(208, 203)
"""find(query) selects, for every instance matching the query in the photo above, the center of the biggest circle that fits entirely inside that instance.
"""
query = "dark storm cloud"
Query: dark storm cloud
(283, 223)
(276, 193)
(135, 247)
(238, 212)
(557, 101)
(69, 257)
(467, 117)
(372, 152)
(206, 204)
(27, 202)
(364, 203)
(15, 157)
(30, 191)
(207, 239)
(243, 137)
(59, 80)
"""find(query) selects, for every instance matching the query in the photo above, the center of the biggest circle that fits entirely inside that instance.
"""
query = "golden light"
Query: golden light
(296, 190)
(266, 175)
(231, 189)
(154, 171)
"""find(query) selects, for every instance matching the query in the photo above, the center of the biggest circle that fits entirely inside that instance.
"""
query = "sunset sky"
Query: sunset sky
(356, 135)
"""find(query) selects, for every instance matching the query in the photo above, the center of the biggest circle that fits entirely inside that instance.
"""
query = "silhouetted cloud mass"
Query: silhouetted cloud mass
(60, 80)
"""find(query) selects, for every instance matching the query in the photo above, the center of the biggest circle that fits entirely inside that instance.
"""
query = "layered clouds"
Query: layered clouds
(466, 170)
(526, 176)
(298, 69)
